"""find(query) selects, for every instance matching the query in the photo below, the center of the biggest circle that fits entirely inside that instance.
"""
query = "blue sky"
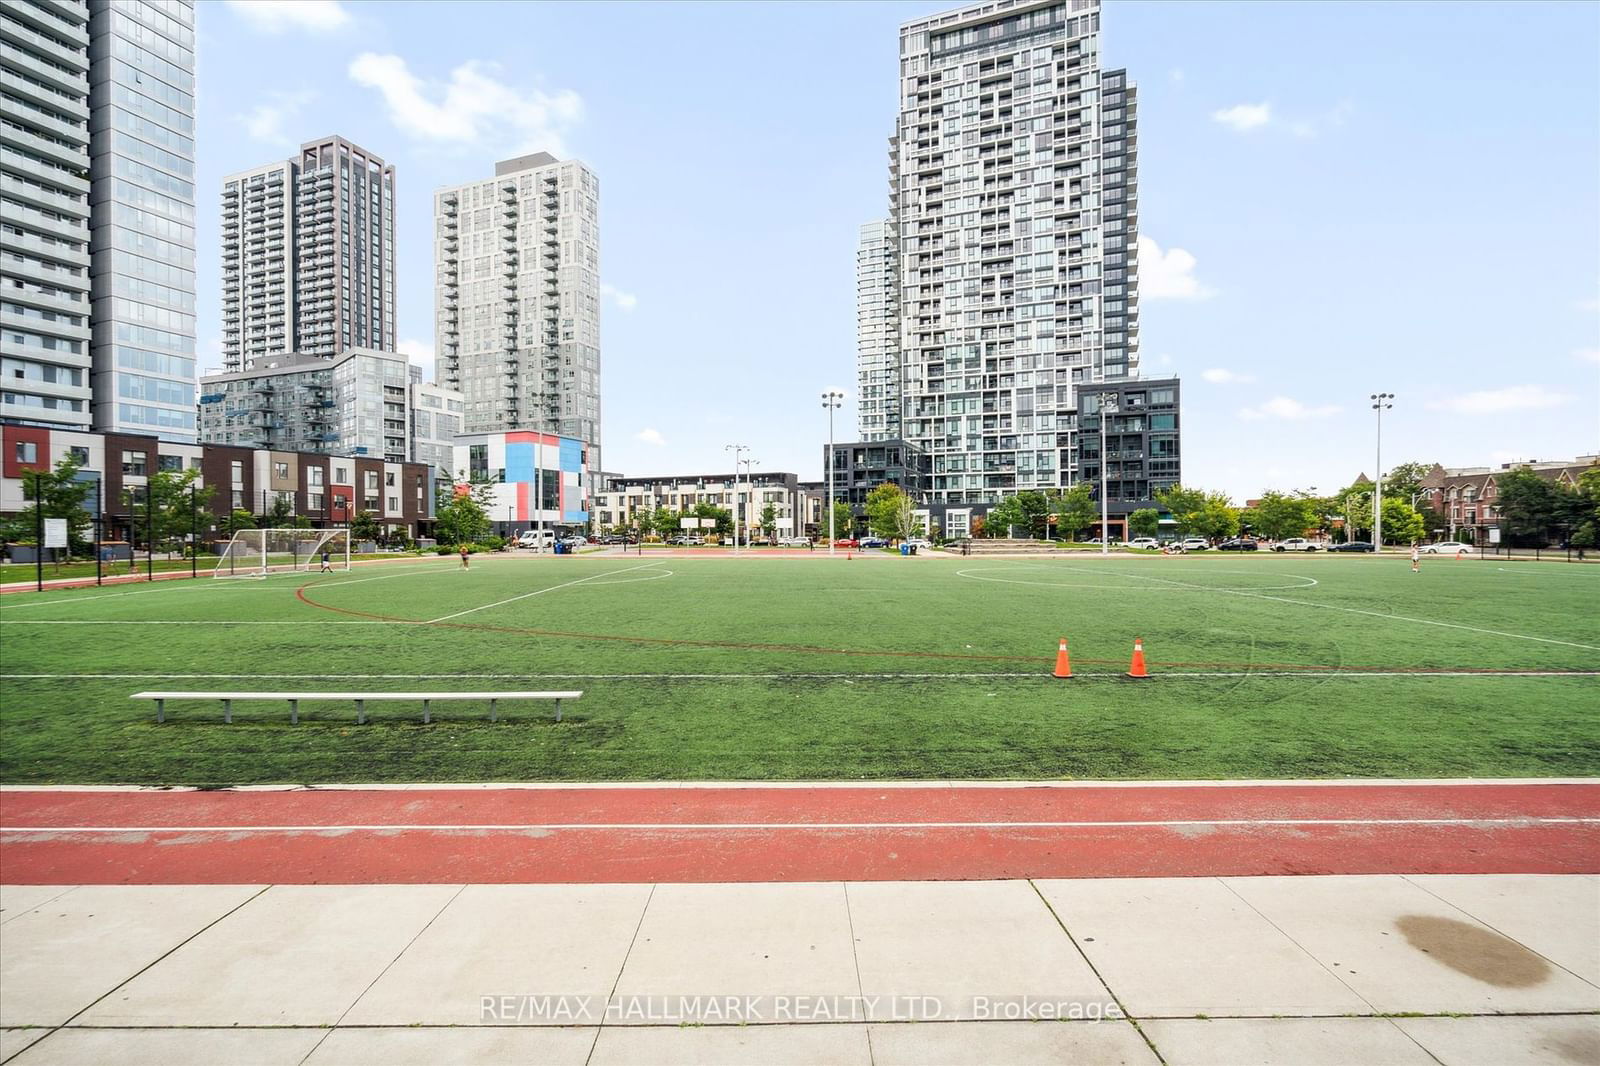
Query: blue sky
(1335, 199)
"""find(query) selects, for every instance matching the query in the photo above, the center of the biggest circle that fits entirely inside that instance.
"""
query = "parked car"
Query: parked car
(575, 541)
(794, 542)
(537, 538)
(920, 543)
(1447, 547)
(846, 542)
(1238, 544)
(1297, 544)
(1144, 542)
(1195, 544)
(1352, 546)
(874, 542)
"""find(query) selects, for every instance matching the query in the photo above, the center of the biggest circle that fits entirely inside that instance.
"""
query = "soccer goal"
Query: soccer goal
(259, 552)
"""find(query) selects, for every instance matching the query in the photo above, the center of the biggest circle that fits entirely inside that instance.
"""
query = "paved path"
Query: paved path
(729, 833)
(1363, 969)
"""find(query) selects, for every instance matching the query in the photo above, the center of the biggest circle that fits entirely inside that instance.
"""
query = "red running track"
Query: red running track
(792, 833)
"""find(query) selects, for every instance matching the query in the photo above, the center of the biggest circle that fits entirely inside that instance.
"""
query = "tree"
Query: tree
(1185, 507)
(1355, 504)
(1405, 480)
(278, 515)
(168, 507)
(459, 517)
(1278, 517)
(365, 527)
(883, 509)
(1529, 505)
(907, 523)
(58, 494)
(1145, 522)
(1036, 512)
(1074, 510)
(769, 521)
(844, 521)
(1401, 522)
(1216, 519)
(239, 519)
(1007, 518)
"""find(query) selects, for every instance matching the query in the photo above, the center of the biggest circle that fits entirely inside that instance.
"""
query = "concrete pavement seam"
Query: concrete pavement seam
(617, 980)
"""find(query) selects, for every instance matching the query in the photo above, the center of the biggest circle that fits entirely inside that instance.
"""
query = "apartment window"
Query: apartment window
(27, 451)
(133, 463)
(79, 455)
(280, 470)
(372, 481)
(388, 479)
(314, 477)
(237, 473)
(170, 463)
(394, 503)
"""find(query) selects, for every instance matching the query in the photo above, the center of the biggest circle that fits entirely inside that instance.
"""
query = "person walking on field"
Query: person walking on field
(464, 565)
(1416, 558)
(327, 564)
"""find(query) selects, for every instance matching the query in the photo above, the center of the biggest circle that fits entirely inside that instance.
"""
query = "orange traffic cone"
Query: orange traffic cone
(1063, 664)
(1458, 556)
(1137, 668)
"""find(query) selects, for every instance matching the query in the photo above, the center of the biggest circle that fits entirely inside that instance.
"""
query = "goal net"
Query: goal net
(259, 552)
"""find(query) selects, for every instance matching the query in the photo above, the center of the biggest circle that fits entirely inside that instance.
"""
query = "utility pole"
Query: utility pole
(833, 399)
(736, 449)
(1108, 407)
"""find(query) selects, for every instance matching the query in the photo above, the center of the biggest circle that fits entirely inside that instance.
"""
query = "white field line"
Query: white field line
(758, 826)
(1038, 675)
(200, 585)
(1369, 614)
(537, 592)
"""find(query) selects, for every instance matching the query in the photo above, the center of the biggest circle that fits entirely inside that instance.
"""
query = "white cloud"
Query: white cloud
(1498, 401)
(278, 16)
(1283, 407)
(1242, 118)
(420, 353)
(1168, 275)
(652, 437)
(1587, 355)
(472, 108)
(266, 122)
(1220, 376)
(625, 301)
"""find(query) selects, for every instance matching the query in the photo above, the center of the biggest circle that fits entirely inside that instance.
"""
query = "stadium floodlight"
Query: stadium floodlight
(259, 552)
(736, 449)
(1108, 407)
(833, 399)
(1380, 404)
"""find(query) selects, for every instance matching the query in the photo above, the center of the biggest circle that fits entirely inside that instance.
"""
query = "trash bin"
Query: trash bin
(561, 549)
(905, 549)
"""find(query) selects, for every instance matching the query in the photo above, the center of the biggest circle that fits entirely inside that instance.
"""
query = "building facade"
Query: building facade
(517, 298)
(623, 501)
(1142, 450)
(861, 466)
(435, 420)
(45, 363)
(1467, 498)
(358, 404)
(535, 479)
(327, 490)
(1013, 197)
(308, 255)
(141, 204)
(877, 333)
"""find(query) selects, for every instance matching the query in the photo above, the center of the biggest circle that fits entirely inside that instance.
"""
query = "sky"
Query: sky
(1335, 199)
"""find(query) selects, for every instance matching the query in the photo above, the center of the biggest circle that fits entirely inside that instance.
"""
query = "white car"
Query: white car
(575, 541)
(1297, 544)
(1447, 547)
(1144, 542)
(533, 538)
(793, 542)
(919, 543)
(1195, 544)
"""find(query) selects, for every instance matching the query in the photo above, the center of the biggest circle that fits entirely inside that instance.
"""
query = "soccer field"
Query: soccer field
(811, 668)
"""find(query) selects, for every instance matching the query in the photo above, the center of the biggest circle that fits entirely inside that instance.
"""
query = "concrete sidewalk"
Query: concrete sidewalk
(1371, 969)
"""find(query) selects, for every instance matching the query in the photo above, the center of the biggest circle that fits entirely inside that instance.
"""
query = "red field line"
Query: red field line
(799, 833)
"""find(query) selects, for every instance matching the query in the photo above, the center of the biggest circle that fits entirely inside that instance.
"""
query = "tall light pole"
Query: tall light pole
(833, 399)
(750, 492)
(1108, 407)
(1380, 404)
(735, 449)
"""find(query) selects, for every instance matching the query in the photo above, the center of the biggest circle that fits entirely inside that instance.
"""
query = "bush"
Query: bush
(491, 544)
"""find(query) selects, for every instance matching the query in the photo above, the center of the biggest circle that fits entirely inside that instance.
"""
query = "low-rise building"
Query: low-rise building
(1467, 498)
(357, 403)
(535, 479)
(621, 501)
(326, 490)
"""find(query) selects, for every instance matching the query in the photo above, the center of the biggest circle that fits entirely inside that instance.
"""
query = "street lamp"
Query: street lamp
(750, 492)
(1380, 404)
(833, 399)
(1108, 407)
(736, 449)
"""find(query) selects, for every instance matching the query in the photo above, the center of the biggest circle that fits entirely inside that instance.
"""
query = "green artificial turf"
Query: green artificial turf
(714, 668)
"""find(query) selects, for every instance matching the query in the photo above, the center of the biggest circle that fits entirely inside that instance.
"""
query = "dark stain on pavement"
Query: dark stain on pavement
(1475, 951)
(1582, 1048)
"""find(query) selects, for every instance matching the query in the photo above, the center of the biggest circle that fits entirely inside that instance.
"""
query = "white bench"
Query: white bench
(360, 699)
